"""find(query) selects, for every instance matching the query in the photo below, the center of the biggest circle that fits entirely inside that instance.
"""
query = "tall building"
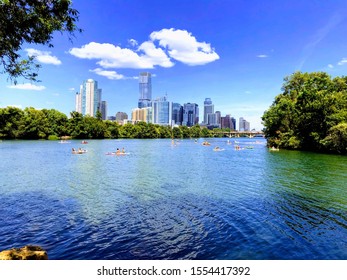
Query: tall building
(228, 122)
(161, 111)
(104, 110)
(145, 88)
(233, 123)
(177, 113)
(243, 125)
(212, 119)
(88, 100)
(190, 114)
(218, 116)
(208, 109)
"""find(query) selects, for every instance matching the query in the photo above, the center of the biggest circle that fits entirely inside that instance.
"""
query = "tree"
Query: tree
(195, 131)
(177, 133)
(10, 119)
(337, 139)
(310, 114)
(205, 132)
(31, 22)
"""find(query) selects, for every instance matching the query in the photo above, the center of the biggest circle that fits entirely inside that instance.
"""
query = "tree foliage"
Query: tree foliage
(309, 114)
(51, 124)
(31, 22)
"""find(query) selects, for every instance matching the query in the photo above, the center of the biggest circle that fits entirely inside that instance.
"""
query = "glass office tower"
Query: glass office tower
(208, 109)
(145, 88)
(88, 100)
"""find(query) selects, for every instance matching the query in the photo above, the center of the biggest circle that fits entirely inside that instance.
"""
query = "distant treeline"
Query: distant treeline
(51, 124)
(310, 114)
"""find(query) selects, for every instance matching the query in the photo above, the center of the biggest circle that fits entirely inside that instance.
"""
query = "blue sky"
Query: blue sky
(234, 52)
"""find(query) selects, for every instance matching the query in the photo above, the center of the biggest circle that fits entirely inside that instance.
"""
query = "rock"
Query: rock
(29, 252)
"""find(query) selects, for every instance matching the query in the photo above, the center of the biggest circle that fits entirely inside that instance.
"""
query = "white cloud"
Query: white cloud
(133, 42)
(330, 66)
(112, 75)
(71, 89)
(262, 56)
(342, 61)
(154, 55)
(184, 47)
(27, 86)
(163, 46)
(43, 57)
(111, 56)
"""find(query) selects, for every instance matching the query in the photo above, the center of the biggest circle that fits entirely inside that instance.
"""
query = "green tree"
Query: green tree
(112, 129)
(177, 133)
(31, 22)
(77, 127)
(57, 122)
(165, 131)
(185, 131)
(10, 121)
(34, 124)
(205, 132)
(128, 131)
(309, 114)
(336, 141)
(195, 131)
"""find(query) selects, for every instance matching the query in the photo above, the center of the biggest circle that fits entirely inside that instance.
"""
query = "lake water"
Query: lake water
(163, 201)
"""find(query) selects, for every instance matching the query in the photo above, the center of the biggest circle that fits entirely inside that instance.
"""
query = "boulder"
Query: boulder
(29, 252)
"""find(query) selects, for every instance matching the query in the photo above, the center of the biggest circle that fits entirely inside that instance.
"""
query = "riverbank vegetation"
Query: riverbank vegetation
(51, 124)
(310, 114)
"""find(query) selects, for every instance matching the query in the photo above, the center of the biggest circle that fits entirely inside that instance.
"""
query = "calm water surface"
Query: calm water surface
(172, 202)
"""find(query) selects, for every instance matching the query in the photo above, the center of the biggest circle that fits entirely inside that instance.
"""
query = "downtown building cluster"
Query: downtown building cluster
(164, 112)
(157, 111)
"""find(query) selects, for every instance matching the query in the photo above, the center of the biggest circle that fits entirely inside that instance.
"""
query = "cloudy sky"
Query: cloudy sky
(235, 52)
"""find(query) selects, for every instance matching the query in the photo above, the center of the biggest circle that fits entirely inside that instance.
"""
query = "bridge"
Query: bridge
(235, 133)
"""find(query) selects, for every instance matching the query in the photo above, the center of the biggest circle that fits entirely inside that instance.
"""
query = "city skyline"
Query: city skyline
(236, 53)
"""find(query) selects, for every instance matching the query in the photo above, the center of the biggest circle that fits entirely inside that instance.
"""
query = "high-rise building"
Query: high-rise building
(208, 109)
(177, 113)
(233, 123)
(212, 119)
(145, 88)
(88, 100)
(161, 111)
(228, 122)
(218, 116)
(104, 110)
(190, 114)
(243, 125)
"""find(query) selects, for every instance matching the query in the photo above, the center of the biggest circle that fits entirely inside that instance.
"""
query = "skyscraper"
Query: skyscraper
(190, 114)
(177, 113)
(162, 111)
(104, 110)
(243, 125)
(228, 122)
(145, 89)
(88, 100)
(208, 109)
